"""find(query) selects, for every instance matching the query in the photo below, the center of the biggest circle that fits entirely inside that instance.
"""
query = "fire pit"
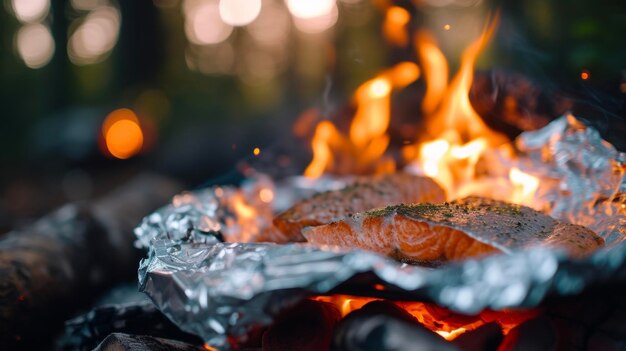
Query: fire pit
(212, 271)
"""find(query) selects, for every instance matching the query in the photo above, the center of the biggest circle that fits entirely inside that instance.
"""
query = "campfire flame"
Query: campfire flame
(455, 138)
(363, 149)
(455, 146)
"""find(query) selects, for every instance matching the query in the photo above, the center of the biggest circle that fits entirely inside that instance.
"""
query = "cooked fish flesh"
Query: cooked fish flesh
(366, 193)
(469, 227)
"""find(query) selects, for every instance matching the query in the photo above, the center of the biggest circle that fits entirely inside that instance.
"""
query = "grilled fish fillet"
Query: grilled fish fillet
(470, 227)
(366, 193)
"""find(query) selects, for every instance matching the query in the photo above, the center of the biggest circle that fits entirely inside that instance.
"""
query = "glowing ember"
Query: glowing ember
(451, 335)
(438, 319)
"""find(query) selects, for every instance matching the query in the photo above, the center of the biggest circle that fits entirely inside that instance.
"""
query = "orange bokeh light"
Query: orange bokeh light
(122, 133)
(584, 75)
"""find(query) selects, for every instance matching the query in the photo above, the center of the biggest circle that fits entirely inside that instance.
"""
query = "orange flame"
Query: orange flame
(363, 149)
(524, 186)
(456, 147)
(444, 322)
(435, 71)
(394, 25)
(456, 137)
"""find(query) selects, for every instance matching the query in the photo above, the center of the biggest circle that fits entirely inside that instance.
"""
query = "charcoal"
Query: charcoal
(384, 326)
(55, 266)
(486, 337)
(603, 342)
(129, 342)
(594, 320)
(84, 332)
(534, 335)
(306, 327)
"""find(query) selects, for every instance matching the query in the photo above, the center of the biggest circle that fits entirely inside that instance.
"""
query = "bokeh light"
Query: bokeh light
(239, 12)
(458, 3)
(203, 23)
(30, 10)
(584, 75)
(35, 45)
(95, 37)
(309, 9)
(271, 28)
(122, 133)
(211, 60)
(319, 23)
(257, 67)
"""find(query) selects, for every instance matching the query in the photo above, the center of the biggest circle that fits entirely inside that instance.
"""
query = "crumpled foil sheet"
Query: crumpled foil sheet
(216, 289)
(589, 173)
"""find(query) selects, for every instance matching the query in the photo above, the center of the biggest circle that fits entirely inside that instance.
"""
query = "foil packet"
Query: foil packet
(220, 290)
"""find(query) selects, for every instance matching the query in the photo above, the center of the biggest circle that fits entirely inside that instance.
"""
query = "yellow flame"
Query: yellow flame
(363, 149)
(455, 146)
(456, 137)
(322, 154)
(451, 335)
(524, 186)
(242, 209)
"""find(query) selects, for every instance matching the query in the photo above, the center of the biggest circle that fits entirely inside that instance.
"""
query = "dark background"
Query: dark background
(205, 107)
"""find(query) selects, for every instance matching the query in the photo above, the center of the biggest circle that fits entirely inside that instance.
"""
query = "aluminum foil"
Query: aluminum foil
(216, 289)
(588, 171)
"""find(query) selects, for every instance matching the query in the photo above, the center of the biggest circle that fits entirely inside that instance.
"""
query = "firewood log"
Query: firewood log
(61, 262)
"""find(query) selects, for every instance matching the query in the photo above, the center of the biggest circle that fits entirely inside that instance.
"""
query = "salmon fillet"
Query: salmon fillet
(470, 227)
(366, 193)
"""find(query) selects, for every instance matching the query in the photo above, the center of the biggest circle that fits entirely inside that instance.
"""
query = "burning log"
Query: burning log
(128, 342)
(53, 267)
